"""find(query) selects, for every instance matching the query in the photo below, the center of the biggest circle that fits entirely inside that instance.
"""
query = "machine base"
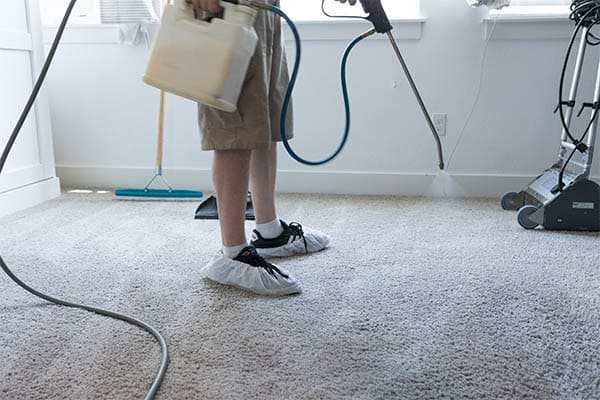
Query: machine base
(542, 204)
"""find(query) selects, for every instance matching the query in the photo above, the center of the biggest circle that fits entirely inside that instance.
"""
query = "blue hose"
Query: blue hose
(290, 90)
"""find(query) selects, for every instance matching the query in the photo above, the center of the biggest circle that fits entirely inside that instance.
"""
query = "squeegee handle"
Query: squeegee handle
(377, 15)
(161, 131)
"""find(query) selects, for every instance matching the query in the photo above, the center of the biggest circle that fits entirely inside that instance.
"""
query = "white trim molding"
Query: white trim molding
(428, 184)
(28, 196)
(13, 40)
(407, 28)
(526, 26)
(84, 34)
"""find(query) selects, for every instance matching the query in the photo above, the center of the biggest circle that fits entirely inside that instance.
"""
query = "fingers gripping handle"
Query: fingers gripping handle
(377, 15)
(185, 4)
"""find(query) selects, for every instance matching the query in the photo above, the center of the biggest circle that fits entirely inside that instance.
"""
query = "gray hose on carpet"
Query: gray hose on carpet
(161, 340)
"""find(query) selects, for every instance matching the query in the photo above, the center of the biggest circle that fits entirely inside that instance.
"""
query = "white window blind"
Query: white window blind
(310, 10)
(128, 11)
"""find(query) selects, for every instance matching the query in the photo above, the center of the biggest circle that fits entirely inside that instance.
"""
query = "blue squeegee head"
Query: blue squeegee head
(159, 193)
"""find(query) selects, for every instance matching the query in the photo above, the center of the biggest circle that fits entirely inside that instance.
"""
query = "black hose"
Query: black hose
(585, 13)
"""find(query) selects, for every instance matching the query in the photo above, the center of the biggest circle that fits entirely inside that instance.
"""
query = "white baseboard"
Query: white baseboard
(326, 182)
(28, 196)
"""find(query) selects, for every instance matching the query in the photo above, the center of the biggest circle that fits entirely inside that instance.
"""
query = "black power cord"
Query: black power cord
(38, 85)
(585, 13)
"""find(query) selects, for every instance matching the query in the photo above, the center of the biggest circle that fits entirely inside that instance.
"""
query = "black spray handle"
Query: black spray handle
(377, 15)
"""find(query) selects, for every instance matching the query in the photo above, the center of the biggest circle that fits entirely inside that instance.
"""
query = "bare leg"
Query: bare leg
(230, 177)
(263, 174)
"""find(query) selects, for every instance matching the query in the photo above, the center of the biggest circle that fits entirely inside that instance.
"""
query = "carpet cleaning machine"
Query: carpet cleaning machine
(564, 197)
(228, 44)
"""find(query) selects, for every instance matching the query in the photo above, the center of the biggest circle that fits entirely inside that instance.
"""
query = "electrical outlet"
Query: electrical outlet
(439, 122)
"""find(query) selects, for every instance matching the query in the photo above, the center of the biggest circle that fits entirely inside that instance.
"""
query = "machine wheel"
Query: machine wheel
(523, 217)
(508, 201)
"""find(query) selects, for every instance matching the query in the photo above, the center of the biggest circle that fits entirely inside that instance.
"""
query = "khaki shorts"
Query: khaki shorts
(256, 122)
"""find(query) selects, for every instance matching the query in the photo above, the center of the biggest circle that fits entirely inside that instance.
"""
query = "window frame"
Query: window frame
(92, 14)
(85, 13)
(414, 11)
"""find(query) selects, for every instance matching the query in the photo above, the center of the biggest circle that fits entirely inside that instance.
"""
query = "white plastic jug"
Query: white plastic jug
(203, 61)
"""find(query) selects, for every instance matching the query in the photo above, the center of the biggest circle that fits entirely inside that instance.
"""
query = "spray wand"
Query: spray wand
(381, 24)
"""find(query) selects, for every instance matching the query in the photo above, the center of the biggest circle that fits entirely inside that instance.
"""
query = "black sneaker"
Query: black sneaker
(249, 255)
(293, 240)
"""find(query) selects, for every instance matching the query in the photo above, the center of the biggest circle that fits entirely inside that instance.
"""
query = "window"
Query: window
(310, 10)
(122, 11)
(85, 12)
(100, 11)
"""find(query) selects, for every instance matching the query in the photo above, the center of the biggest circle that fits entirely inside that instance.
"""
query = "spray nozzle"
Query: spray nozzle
(377, 15)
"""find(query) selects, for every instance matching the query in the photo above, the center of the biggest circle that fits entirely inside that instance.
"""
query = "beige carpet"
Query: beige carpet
(416, 299)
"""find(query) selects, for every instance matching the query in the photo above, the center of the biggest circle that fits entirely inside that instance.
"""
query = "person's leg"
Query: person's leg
(245, 129)
(263, 174)
(247, 269)
(273, 237)
(230, 173)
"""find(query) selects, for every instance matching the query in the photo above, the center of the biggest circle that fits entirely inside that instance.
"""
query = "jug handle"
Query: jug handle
(185, 5)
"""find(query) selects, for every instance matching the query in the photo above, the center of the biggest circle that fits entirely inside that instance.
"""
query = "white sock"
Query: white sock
(270, 230)
(233, 251)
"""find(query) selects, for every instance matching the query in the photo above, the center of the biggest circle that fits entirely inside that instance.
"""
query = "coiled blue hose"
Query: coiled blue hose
(290, 90)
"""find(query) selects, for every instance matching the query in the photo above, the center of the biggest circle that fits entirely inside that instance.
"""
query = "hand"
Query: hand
(212, 6)
(352, 2)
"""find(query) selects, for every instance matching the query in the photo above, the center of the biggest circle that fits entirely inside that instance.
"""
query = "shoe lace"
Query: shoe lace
(250, 256)
(297, 230)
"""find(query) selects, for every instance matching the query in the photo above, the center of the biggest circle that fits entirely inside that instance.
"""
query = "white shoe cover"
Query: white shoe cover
(315, 241)
(244, 276)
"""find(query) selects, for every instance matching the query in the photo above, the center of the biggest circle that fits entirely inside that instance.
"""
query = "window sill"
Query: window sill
(512, 25)
(84, 34)
(408, 28)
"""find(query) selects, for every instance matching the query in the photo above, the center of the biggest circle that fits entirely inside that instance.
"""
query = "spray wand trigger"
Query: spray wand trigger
(377, 15)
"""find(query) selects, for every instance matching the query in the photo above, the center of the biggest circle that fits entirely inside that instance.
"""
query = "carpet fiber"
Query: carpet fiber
(415, 299)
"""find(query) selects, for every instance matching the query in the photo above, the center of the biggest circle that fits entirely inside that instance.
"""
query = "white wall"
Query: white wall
(28, 178)
(104, 117)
